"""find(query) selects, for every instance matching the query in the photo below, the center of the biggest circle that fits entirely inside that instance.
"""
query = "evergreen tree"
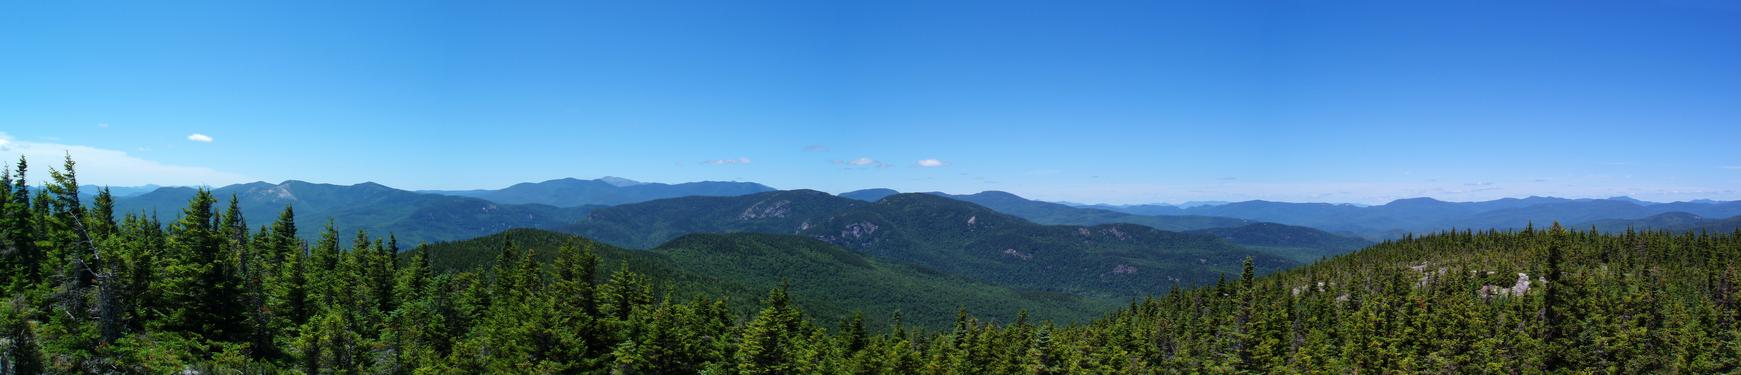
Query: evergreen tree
(24, 257)
(769, 345)
(18, 350)
(197, 281)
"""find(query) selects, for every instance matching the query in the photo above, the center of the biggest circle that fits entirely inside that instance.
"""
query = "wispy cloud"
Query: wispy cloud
(103, 125)
(1731, 167)
(197, 137)
(930, 163)
(862, 162)
(111, 167)
(816, 148)
(740, 160)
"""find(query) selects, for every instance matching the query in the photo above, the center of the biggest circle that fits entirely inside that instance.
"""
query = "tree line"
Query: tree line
(90, 293)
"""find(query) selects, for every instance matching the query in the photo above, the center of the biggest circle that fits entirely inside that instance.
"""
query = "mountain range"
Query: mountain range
(454, 215)
(1294, 242)
(412, 217)
(571, 192)
(1422, 215)
(947, 236)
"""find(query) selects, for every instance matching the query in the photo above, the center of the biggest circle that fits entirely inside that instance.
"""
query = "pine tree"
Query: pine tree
(25, 258)
(18, 349)
(323, 270)
(769, 345)
(624, 292)
(1554, 308)
(1041, 359)
(854, 338)
(86, 271)
(575, 288)
(203, 297)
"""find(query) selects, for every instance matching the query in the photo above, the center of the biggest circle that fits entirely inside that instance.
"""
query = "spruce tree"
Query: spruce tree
(202, 295)
(769, 344)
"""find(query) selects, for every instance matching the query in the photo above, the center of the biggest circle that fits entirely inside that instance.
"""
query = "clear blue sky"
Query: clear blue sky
(1081, 101)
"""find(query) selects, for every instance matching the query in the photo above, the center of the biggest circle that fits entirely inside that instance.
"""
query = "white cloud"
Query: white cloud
(862, 162)
(740, 160)
(815, 148)
(197, 137)
(930, 163)
(103, 125)
(110, 167)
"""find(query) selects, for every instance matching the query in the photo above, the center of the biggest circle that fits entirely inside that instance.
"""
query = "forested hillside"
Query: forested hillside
(828, 282)
(1293, 242)
(948, 236)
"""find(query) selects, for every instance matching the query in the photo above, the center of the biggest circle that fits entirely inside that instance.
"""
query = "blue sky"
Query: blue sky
(1121, 102)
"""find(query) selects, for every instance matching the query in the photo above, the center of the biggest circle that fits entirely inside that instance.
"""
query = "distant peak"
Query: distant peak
(1420, 200)
(619, 181)
(998, 194)
(1623, 198)
(869, 195)
(370, 185)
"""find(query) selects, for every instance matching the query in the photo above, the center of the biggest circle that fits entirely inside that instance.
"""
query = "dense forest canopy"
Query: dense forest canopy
(90, 293)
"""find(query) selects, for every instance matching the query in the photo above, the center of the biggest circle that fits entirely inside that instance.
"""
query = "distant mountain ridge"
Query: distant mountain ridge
(412, 217)
(869, 195)
(1055, 213)
(566, 200)
(1294, 242)
(1424, 215)
(608, 191)
(1672, 221)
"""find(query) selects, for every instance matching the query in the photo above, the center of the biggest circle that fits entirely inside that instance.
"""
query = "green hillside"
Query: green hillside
(648, 224)
(1534, 301)
(1294, 242)
(830, 283)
